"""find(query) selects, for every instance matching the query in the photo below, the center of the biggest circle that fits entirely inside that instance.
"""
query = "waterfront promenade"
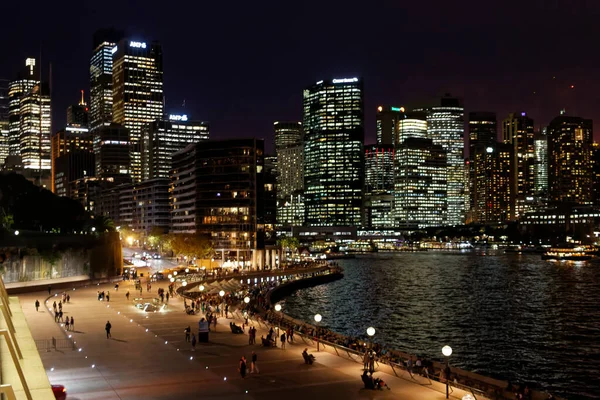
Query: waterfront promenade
(148, 358)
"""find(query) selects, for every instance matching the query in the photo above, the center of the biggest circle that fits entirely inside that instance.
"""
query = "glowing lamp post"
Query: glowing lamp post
(184, 283)
(277, 307)
(246, 299)
(202, 288)
(318, 319)
(371, 333)
(222, 293)
(447, 352)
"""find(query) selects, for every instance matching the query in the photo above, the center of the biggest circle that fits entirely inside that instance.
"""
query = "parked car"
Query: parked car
(59, 391)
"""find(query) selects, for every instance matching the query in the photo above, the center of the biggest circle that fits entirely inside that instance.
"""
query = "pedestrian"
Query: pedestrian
(55, 316)
(371, 361)
(253, 365)
(167, 297)
(226, 310)
(292, 335)
(72, 323)
(60, 305)
(215, 322)
(108, 327)
(187, 333)
(366, 361)
(60, 315)
(193, 342)
(117, 287)
(127, 295)
(242, 367)
(107, 296)
(37, 305)
(54, 306)
(67, 324)
(283, 341)
(68, 298)
(141, 290)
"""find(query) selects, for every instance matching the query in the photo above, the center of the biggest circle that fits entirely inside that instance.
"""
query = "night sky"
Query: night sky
(242, 65)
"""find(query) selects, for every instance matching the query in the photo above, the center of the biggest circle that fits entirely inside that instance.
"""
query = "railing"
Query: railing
(56, 344)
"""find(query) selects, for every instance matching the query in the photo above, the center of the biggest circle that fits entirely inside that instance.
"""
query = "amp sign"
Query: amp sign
(138, 45)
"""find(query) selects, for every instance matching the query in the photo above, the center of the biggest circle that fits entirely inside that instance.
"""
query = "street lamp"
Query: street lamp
(93, 229)
(187, 270)
(277, 307)
(16, 233)
(222, 293)
(447, 352)
(202, 288)
(371, 333)
(130, 240)
(246, 299)
(318, 319)
(184, 283)
(172, 279)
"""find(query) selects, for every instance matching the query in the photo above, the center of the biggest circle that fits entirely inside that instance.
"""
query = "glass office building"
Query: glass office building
(379, 187)
(137, 92)
(333, 152)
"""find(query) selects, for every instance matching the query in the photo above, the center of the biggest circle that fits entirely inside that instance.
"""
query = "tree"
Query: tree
(7, 219)
(190, 245)
(104, 224)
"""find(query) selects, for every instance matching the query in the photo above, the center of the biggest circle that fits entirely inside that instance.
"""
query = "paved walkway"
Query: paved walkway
(148, 358)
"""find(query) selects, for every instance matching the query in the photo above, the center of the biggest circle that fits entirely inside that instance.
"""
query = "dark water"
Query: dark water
(504, 315)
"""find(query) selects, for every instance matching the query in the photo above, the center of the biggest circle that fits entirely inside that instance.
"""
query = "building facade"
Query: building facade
(483, 132)
(137, 92)
(445, 126)
(379, 187)
(27, 79)
(412, 125)
(78, 114)
(541, 162)
(4, 121)
(162, 138)
(570, 164)
(151, 205)
(420, 185)
(72, 158)
(517, 130)
(387, 121)
(333, 152)
(112, 151)
(289, 148)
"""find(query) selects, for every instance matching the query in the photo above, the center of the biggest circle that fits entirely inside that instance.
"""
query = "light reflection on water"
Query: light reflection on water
(505, 315)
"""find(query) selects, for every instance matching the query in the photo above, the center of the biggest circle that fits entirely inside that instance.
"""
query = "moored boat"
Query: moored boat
(580, 253)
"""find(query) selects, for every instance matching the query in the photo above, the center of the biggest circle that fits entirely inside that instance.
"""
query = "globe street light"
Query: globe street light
(277, 307)
(447, 352)
(172, 279)
(202, 288)
(187, 270)
(16, 233)
(184, 283)
(222, 293)
(370, 331)
(246, 299)
(318, 319)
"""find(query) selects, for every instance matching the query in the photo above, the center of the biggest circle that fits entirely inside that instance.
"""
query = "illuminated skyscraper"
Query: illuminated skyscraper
(379, 187)
(517, 130)
(387, 124)
(111, 150)
(445, 126)
(101, 81)
(72, 158)
(482, 133)
(289, 147)
(163, 138)
(420, 187)
(541, 162)
(333, 152)
(570, 164)
(287, 134)
(4, 121)
(28, 78)
(411, 125)
(77, 114)
(137, 92)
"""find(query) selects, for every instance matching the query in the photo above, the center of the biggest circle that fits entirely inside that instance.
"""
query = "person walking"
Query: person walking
(127, 295)
(108, 327)
(107, 295)
(68, 298)
(226, 310)
(283, 341)
(54, 306)
(253, 365)
(37, 305)
(366, 360)
(60, 316)
(215, 322)
(242, 367)
(60, 305)
(187, 333)
(193, 342)
(67, 323)
(167, 297)
(72, 323)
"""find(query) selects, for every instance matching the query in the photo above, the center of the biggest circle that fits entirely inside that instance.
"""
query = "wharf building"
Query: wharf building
(379, 187)
(137, 75)
(218, 191)
(162, 138)
(333, 120)
(518, 131)
(420, 186)
(289, 148)
(445, 126)
(570, 163)
(101, 77)
(387, 124)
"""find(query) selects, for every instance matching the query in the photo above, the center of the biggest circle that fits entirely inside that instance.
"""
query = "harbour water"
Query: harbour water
(509, 316)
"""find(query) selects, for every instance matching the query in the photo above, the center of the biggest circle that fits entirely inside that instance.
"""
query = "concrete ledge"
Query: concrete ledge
(57, 284)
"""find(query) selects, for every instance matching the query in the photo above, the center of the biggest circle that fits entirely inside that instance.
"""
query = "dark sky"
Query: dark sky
(242, 65)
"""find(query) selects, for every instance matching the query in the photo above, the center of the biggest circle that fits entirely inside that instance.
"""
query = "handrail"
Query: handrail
(8, 391)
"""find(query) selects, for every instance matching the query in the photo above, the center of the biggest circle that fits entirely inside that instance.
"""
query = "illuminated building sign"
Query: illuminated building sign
(113, 50)
(139, 45)
(174, 117)
(345, 80)
(398, 109)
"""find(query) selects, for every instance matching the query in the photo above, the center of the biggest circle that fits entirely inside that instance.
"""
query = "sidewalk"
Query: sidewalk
(148, 358)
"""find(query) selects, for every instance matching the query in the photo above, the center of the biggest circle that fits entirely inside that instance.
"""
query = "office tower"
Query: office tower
(596, 173)
(420, 187)
(290, 173)
(4, 121)
(112, 150)
(492, 187)
(217, 190)
(570, 165)
(151, 205)
(541, 162)
(445, 126)
(379, 187)
(333, 152)
(34, 129)
(27, 79)
(517, 130)
(483, 131)
(101, 80)
(411, 125)
(137, 92)
(387, 124)
(162, 138)
(72, 158)
(77, 114)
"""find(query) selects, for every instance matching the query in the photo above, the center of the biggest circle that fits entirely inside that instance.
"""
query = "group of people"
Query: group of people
(58, 312)
(103, 296)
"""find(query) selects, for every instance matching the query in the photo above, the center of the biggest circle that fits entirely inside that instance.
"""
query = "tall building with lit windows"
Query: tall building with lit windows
(4, 120)
(333, 152)
(162, 138)
(420, 185)
(379, 187)
(483, 131)
(518, 131)
(289, 147)
(445, 126)
(287, 134)
(570, 164)
(72, 158)
(101, 80)
(27, 79)
(137, 92)
(387, 124)
(541, 162)
(411, 125)
(111, 150)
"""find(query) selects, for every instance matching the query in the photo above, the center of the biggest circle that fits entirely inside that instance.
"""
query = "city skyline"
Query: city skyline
(221, 90)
